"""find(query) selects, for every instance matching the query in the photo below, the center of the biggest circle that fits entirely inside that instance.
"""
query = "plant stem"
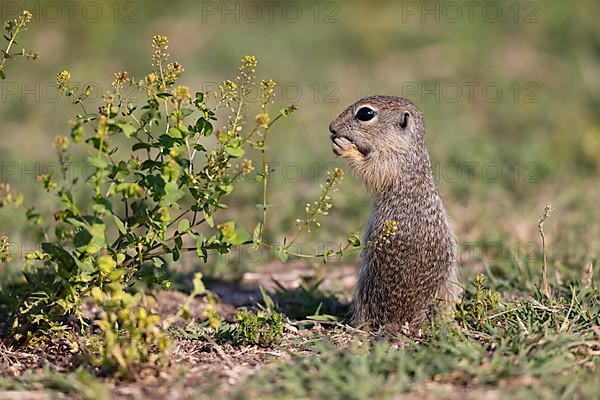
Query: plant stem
(545, 288)
(313, 214)
(265, 172)
(10, 43)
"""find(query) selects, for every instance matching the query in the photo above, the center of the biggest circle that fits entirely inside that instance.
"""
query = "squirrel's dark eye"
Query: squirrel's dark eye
(404, 121)
(365, 114)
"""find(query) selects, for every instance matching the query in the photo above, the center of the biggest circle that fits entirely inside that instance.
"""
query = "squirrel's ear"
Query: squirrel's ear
(404, 122)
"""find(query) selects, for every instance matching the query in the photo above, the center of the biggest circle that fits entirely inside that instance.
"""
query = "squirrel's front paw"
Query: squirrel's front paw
(343, 147)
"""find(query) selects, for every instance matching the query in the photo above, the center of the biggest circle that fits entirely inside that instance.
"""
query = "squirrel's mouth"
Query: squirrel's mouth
(337, 146)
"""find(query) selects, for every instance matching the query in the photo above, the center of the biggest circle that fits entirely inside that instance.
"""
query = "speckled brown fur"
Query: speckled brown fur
(400, 274)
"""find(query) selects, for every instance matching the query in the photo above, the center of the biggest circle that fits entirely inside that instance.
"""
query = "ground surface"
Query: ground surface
(331, 359)
(216, 368)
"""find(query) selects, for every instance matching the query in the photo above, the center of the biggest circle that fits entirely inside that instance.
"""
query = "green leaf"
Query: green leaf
(282, 254)
(287, 110)
(98, 144)
(186, 112)
(87, 266)
(158, 262)
(127, 129)
(323, 318)
(226, 189)
(141, 146)
(91, 236)
(256, 233)
(175, 133)
(240, 237)
(354, 240)
(209, 220)
(204, 127)
(59, 254)
(120, 225)
(183, 226)
(106, 264)
(116, 274)
(2, 75)
(172, 194)
(97, 162)
(234, 151)
(201, 250)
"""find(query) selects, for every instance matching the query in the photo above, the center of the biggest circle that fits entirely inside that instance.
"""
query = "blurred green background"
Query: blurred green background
(506, 87)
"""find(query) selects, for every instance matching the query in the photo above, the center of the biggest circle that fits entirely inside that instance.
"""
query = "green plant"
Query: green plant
(477, 303)
(262, 328)
(160, 175)
(13, 28)
(132, 336)
(148, 197)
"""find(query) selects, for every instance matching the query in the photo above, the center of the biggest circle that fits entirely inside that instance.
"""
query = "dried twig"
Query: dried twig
(547, 210)
(587, 276)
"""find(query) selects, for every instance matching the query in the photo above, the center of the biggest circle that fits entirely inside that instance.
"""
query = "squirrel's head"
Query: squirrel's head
(382, 138)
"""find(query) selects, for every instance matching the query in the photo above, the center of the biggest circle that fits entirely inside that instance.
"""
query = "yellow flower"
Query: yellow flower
(120, 79)
(390, 227)
(182, 93)
(160, 41)
(249, 62)
(62, 80)
(247, 167)
(173, 72)
(228, 89)
(26, 17)
(268, 85)
(262, 120)
(150, 79)
(230, 85)
(61, 143)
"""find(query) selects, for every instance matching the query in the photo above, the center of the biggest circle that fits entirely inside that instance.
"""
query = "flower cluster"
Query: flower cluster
(62, 80)
(160, 44)
(247, 73)
(168, 73)
(173, 72)
(25, 17)
(61, 143)
(247, 167)
(182, 93)
(388, 231)
(228, 91)
(121, 80)
(267, 91)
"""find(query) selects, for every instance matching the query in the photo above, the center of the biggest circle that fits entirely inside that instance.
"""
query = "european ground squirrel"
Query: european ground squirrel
(410, 258)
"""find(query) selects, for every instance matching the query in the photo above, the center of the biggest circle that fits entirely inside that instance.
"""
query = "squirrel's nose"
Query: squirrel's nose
(332, 129)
